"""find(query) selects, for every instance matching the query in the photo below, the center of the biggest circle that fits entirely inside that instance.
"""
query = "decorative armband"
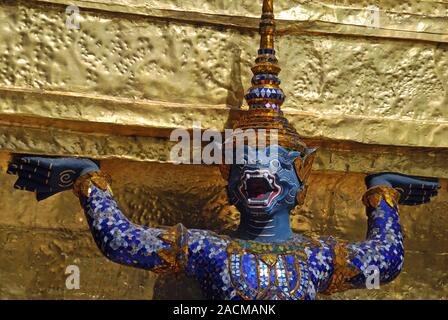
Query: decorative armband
(372, 198)
(175, 255)
(97, 178)
(343, 271)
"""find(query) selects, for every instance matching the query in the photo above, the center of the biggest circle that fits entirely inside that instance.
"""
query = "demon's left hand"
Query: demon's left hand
(48, 176)
(414, 190)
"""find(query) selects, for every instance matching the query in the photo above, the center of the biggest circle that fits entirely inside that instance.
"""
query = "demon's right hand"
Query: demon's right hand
(48, 176)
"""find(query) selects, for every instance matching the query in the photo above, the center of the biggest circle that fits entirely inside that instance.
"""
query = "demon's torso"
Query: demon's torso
(231, 268)
(240, 269)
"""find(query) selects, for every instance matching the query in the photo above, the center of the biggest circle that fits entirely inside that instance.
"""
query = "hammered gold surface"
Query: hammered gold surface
(331, 156)
(422, 20)
(124, 117)
(372, 99)
(377, 82)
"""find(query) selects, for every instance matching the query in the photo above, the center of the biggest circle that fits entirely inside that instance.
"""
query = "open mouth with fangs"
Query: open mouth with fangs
(259, 188)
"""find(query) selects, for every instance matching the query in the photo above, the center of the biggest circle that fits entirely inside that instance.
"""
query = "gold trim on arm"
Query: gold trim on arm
(97, 178)
(175, 256)
(373, 196)
(343, 271)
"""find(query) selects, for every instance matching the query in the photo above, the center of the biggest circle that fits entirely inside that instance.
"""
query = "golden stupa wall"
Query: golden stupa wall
(372, 97)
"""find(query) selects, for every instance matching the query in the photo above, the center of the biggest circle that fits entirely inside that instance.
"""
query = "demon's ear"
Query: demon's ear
(303, 165)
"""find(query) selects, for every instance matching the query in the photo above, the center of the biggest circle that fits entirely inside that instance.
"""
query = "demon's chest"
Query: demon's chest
(270, 272)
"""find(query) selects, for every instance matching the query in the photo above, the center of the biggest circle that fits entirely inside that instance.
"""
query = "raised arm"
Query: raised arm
(383, 249)
(155, 249)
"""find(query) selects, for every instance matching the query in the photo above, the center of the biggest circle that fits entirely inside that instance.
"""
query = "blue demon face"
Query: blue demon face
(265, 182)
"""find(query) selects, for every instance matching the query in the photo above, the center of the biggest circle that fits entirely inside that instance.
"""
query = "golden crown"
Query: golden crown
(265, 97)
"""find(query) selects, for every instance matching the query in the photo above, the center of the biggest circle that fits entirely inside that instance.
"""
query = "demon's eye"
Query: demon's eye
(274, 165)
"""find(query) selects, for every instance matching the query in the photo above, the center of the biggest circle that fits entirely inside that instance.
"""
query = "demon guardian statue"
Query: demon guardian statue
(264, 259)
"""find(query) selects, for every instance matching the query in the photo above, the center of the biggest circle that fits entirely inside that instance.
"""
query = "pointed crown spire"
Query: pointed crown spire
(265, 97)
(265, 91)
